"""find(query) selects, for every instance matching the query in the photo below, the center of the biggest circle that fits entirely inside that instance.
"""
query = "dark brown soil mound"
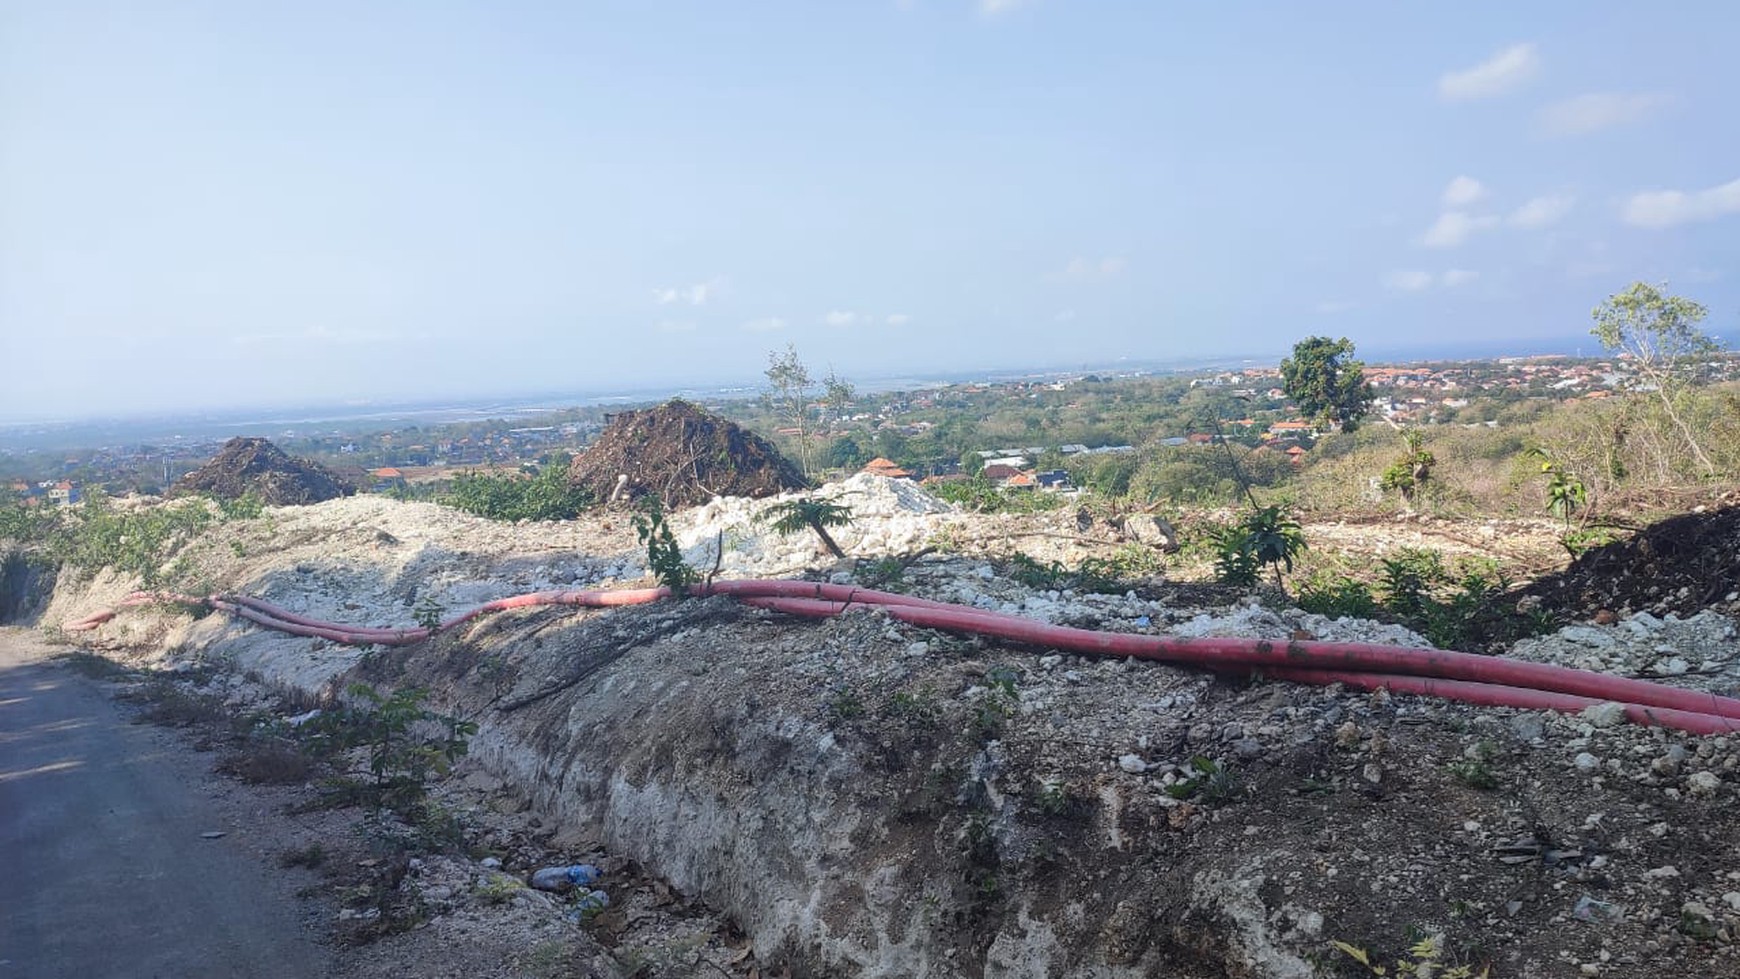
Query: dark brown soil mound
(1682, 564)
(684, 456)
(245, 464)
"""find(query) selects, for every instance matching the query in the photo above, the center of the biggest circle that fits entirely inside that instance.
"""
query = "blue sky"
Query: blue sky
(216, 204)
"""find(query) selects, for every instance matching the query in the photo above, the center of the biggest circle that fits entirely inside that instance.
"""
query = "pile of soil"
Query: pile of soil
(1682, 565)
(683, 455)
(255, 464)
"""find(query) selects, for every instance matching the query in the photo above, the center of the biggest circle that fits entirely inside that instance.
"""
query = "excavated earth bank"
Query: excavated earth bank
(864, 798)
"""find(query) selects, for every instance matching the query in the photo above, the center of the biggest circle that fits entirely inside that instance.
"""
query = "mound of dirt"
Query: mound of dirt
(1680, 565)
(255, 464)
(684, 456)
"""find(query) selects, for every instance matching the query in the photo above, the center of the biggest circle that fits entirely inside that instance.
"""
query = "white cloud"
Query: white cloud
(1410, 280)
(1089, 270)
(1666, 208)
(1495, 76)
(694, 295)
(897, 319)
(1597, 111)
(767, 324)
(841, 317)
(1463, 191)
(1456, 277)
(1541, 212)
(991, 8)
(1454, 227)
(674, 326)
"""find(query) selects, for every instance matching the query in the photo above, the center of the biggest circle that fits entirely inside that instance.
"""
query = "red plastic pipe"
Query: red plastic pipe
(1459, 676)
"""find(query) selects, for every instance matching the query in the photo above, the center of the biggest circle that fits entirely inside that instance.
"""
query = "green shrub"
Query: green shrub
(136, 541)
(663, 557)
(511, 496)
(400, 758)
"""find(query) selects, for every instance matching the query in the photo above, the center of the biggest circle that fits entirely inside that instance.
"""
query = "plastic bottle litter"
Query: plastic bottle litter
(560, 880)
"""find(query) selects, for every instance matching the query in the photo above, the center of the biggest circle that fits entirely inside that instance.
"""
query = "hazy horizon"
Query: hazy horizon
(212, 207)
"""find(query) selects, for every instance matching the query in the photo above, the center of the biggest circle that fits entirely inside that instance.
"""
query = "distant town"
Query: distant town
(1018, 433)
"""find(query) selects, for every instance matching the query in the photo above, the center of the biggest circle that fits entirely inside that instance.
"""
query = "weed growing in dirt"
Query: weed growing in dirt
(792, 516)
(93, 666)
(920, 707)
(96, 535)
(498, 889)
(1265, 536)
(663, 556)
(398, 758)
(248, 506)
(1209, 782)
(513, 496)
(428, 612)
(310, 856)
(1454, 607)
(1423, 960)
(1475, 768)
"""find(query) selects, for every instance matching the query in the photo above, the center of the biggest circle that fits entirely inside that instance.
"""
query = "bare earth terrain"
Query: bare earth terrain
(859, 797)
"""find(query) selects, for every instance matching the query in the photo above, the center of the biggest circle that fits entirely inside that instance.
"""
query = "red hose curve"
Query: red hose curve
(1466, 677)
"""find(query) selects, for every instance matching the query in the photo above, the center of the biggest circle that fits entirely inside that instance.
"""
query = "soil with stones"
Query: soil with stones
(255, 465)
(683, 455)
(1679, 565)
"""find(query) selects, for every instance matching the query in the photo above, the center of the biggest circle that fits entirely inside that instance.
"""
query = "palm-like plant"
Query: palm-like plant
(793, 516)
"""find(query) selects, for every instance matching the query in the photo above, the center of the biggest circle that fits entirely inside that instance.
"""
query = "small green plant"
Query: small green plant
(1566, 494)
(919, 707)
(1033, 574)
(845, 705)
(1423, 960)
(792, 516)
(248, 506)
(498, 889)
(1209, 781)
(428, 612)
(545, 495)
(1474, 769)
(1337, 598)
(310, 856)
(1266, 536)
(663, 557)
(399, 758)
(1409, 474)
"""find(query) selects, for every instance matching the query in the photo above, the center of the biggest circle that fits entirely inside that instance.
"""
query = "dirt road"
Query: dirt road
(107, 867)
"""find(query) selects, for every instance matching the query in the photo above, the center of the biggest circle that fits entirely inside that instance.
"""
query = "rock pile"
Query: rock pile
(255, 465)
(683, 455)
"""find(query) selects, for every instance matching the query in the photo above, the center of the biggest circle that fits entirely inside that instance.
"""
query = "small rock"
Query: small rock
(212, 835)
(1606, 616)
(1732, 900)
(1661, 873)
(1703, 783)
(1133, 764)
(1608, 714)
(1248, 749)
(1586, 763)
(490, 863)
(1528, 727)
(1347, 735)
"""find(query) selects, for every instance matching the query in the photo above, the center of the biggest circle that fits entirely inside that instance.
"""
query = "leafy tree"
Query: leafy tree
(789, 385)
(1659, 332)
(1326, 383)
(837, 395)
(846, 453)
(818, 515)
